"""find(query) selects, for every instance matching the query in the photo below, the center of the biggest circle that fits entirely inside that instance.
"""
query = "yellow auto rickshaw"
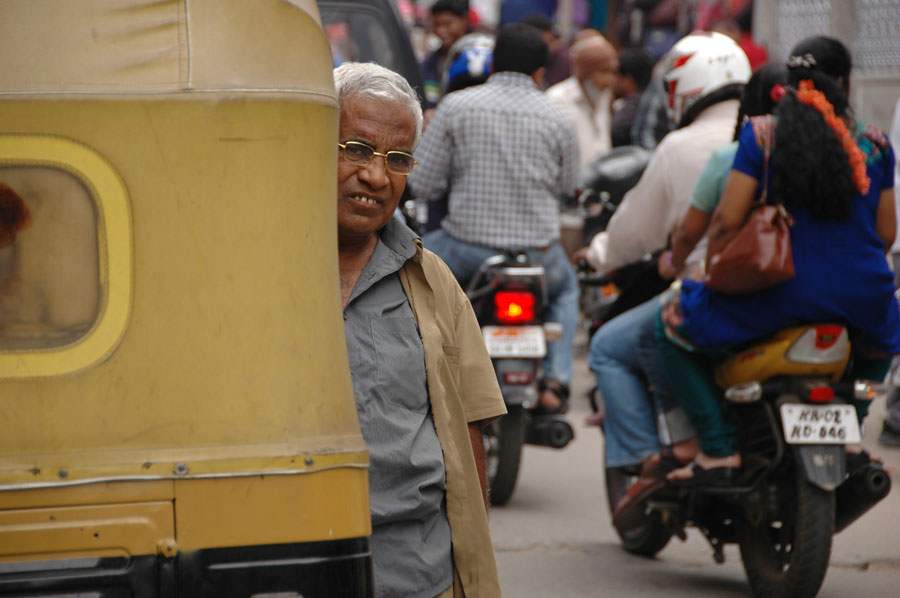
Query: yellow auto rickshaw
(176, 411)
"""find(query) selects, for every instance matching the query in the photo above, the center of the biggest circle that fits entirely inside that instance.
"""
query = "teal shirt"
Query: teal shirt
(711, 183)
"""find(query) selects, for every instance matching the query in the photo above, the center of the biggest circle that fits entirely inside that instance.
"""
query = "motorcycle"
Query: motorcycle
(508, 295)
(798, 485)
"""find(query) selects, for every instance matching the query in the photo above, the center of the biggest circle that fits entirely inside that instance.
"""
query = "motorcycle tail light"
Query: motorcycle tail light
(826, 343)
(747, 392)
(517, 377)
(514, 307)
(821, 394)
(866, 390)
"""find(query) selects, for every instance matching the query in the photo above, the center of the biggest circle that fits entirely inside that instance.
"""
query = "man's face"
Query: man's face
(595, 60)
(605, 73)
(368, 195)
(449, 27)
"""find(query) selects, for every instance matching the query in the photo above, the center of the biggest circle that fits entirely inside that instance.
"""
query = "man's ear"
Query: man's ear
(538, 76)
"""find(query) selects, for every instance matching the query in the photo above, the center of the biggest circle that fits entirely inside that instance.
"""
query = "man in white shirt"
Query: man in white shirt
(588, 94)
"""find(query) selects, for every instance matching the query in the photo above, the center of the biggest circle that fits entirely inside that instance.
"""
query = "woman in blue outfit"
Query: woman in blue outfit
(835, 177)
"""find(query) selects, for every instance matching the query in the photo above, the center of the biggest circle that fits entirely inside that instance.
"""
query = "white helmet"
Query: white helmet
(698, 65)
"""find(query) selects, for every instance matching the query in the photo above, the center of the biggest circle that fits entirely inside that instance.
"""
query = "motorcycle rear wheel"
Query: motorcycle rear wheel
(503, 441)
(646, 539)
(786, 554)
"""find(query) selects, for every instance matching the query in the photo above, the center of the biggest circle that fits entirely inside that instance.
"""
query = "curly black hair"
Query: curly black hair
(810, 167)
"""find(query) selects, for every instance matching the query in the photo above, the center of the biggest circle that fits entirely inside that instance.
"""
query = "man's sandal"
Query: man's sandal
(562, 393)
(629, 511)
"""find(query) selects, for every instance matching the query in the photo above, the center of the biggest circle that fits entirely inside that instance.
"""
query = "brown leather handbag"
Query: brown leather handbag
(759, 256)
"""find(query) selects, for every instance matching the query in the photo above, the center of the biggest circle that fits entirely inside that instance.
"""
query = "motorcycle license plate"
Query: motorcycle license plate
(515, 341)
(819, 424)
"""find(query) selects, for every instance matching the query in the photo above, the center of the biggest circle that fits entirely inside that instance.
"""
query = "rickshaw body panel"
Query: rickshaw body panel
(201, 408)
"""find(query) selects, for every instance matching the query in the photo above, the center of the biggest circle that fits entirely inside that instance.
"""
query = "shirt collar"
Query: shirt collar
(399, 238)
(512, 79)
(395, 246)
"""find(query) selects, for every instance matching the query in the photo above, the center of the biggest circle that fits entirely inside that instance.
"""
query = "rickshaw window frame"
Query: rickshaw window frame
(115, 255)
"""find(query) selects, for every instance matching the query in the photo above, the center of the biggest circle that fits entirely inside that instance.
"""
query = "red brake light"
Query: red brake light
(821, 394)
(514, 307)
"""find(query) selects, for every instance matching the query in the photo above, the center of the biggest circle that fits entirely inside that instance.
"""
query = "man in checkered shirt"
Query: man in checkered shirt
(504, 154)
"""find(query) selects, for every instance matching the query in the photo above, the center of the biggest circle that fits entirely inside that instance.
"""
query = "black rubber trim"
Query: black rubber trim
(332, 569)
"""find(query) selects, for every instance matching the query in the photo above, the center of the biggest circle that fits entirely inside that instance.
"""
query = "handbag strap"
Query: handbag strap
(767, 153)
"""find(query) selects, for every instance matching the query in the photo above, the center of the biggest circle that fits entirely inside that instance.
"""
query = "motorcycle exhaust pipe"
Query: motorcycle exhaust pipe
(859, 493)
(549, 430)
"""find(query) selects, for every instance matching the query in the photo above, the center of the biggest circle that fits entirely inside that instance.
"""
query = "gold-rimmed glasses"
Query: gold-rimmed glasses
(361, 154)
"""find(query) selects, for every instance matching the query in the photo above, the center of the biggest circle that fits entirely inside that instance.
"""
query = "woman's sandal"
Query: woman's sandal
(561, 392)
(667, 461)
(714, 476)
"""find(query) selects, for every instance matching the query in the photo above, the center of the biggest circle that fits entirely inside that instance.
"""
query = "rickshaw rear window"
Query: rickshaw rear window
(50, 287)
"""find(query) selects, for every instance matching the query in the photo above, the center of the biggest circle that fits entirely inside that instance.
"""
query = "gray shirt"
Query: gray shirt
(407, 481)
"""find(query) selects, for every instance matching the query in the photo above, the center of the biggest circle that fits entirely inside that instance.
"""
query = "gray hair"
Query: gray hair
(370, 80)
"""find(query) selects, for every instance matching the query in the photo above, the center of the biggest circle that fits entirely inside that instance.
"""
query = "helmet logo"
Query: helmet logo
(681, 60)
(672, 84)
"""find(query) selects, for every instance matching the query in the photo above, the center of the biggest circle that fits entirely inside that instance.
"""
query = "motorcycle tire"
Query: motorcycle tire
(786, 552)
(503, 441)
(645, 539)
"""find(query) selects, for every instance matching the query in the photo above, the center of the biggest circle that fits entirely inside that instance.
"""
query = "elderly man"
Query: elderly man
(588, 94)
(505, 154)
(423, 382)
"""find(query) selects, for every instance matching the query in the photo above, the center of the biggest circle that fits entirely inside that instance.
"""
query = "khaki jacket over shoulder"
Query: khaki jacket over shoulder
(462, 388)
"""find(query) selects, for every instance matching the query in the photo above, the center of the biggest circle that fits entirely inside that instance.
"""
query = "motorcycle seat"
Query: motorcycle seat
(821, 350)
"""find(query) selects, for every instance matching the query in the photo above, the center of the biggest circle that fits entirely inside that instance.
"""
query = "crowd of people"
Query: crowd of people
(512, 117)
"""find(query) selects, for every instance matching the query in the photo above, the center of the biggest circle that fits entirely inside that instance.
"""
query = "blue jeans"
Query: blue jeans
(625, 360)
(562, 287)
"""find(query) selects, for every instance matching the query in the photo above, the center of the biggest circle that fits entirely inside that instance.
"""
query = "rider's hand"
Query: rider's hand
(664, 266)
(580, 255)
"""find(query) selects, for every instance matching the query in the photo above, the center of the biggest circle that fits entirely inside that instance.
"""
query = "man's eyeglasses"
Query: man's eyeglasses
(361, 154)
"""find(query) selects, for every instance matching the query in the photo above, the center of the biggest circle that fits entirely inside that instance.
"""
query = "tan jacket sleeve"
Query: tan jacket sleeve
(479, 390)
